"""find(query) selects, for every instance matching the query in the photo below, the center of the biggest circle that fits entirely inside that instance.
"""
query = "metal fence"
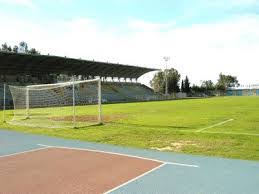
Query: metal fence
(243, 92)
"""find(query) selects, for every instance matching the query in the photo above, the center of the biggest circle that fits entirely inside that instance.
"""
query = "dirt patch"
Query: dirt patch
(91, 118)
(176, 146)
(167, 148)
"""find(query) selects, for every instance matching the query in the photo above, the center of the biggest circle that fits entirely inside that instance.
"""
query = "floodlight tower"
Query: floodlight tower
(166, 59)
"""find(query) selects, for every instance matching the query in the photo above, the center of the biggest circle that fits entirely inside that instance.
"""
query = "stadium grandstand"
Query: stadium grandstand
(119, 82)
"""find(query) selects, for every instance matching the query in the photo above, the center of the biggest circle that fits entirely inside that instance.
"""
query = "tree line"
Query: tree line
(175, 84)
(22, 47)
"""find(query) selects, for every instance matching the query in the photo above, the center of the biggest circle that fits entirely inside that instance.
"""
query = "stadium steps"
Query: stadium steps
(112, 92)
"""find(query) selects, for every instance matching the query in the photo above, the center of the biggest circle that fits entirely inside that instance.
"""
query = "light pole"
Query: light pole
(166, 82)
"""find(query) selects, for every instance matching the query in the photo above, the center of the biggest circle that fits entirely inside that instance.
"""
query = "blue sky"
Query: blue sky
(117, 11)
(215, 36)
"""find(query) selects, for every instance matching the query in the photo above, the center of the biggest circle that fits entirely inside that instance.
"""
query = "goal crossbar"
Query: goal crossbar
(61, 84)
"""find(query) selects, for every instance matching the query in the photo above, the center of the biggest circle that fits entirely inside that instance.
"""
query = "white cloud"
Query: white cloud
(200, 51)
(25, 3)
(150, 26)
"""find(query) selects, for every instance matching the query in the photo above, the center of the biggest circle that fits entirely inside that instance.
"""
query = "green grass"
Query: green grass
(170, 126)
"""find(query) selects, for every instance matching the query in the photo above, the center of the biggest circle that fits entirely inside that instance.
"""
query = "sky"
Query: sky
(202, 37)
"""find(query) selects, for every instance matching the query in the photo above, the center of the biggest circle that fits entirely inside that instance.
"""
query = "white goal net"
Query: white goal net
(68, 104)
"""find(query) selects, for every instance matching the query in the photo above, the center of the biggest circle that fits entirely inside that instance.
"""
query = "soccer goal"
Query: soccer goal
(69, 104)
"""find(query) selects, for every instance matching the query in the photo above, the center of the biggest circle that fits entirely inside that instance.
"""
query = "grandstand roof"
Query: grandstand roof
(17, 63)
(245, 87)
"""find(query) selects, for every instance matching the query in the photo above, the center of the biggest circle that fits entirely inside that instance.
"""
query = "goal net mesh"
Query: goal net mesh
(68, 104)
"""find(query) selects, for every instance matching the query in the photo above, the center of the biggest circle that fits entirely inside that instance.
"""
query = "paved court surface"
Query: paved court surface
(96, 168)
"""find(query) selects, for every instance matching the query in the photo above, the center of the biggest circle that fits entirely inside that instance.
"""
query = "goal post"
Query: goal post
(100, 101)
(67, 104)
(4, 101)
(27, 98)
(74, 108)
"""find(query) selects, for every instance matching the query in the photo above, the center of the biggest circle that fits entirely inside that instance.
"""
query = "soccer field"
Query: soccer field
(223, 126)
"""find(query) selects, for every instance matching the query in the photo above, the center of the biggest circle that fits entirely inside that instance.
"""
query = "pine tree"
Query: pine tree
(182, 86)
(187, 87)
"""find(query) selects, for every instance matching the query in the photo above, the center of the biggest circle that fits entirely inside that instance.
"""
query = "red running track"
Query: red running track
(56, 170)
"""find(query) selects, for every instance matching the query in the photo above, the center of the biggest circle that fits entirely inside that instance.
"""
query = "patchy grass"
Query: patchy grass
(170, 126)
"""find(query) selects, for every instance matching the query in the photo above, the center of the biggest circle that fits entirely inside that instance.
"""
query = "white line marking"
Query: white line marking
(18, 153)
(138, 177)
(218, 124)
(220, 132)
(119, 154)
(232, 133)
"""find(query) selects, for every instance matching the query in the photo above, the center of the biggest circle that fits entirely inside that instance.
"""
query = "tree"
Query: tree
(33, 51)
(15, 49)
(173, 78)
(197, 89)
(173, 81)
(208, 85)
(226, 81)
(187, 88)
(23, 47)
(182, 86)
(4, 47)
(158, 82)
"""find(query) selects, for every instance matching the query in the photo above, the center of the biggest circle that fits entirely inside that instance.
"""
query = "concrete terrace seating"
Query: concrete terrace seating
(124, 92)
(112, 92)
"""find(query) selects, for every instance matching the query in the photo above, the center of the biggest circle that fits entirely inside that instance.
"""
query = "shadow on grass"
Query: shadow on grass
(153, 126)
(31, 114)
(89, 126)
